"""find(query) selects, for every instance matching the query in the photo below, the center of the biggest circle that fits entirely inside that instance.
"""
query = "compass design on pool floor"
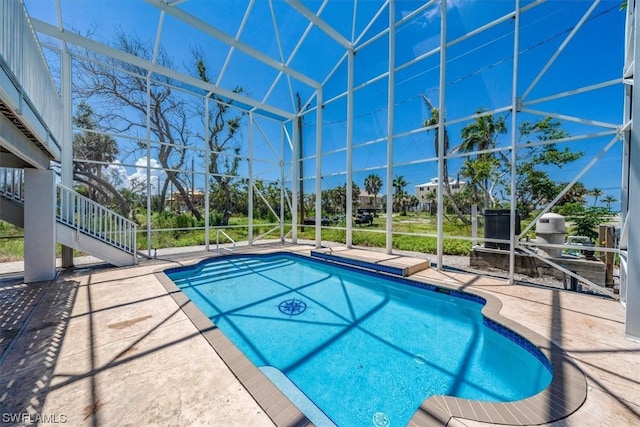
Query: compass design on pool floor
(292, 307)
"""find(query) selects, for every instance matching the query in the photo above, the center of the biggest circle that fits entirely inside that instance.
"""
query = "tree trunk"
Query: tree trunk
(185, 196)
(228, 205)
(445, 179)
(98, 185)
(163, 196)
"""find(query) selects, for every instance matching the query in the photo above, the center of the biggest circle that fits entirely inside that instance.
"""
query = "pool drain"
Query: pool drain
(292, 307)
(380, 419)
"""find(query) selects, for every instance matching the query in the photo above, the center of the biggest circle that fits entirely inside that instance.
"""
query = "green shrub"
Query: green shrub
(184, 220)
(215, 219)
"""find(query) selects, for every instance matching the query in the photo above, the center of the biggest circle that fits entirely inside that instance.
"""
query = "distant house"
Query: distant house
(427, 193)
(366, 200)
(177, 202)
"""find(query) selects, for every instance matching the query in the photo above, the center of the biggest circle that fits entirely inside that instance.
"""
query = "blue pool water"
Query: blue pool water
(365, 349)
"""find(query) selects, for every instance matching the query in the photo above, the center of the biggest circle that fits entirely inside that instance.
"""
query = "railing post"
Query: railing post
(13, 185)
(80, 216)
(91, 218)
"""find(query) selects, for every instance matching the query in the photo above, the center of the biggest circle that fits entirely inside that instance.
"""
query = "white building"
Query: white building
(427, 193)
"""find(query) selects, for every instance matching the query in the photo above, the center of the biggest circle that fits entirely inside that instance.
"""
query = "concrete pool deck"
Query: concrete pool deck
(110, 346)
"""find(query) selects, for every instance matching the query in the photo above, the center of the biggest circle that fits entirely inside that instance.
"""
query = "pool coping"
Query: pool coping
(563, 396)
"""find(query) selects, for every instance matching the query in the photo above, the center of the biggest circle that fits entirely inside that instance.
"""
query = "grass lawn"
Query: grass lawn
(12, 243)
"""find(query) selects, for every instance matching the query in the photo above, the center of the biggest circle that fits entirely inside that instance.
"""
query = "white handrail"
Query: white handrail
(91, 218)
(77, 211)
(12, 184)
(218, 231)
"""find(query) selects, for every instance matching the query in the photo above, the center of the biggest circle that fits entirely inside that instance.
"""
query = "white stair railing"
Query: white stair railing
(12, 184)
(93, 219)
(77, 211)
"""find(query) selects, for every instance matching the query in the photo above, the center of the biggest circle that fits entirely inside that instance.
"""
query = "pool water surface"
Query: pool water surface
(365, 349)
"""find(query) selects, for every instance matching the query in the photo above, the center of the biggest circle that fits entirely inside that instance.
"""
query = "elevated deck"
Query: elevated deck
(392, 264)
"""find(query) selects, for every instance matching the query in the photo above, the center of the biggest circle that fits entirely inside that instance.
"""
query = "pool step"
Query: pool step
(297, 397)
(392, 264)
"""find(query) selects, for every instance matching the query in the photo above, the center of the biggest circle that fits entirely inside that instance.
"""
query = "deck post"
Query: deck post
(632, 321)
(39, 225)
(66, 167)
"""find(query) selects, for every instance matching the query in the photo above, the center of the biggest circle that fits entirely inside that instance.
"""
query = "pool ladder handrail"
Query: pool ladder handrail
(233, 242)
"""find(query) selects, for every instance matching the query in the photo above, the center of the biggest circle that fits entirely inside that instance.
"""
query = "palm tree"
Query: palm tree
(340, 197)
(431, 200)
(373, 184)
(90, 151)
(596, 192)
(481, 134)
(355, 194)
(478, 136)
(398, 184)
(433, 120)
(608, 200)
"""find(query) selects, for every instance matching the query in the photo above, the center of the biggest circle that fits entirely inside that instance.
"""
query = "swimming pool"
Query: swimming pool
(363, 348)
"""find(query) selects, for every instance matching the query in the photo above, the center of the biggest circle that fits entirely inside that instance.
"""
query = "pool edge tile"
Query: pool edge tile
(281, 411)
(564, 395)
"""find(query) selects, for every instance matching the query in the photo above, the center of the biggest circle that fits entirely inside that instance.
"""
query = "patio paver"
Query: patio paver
(111, 347)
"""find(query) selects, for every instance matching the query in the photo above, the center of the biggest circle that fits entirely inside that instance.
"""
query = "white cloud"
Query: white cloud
(117, 175)
(136, 181)
(434, 11)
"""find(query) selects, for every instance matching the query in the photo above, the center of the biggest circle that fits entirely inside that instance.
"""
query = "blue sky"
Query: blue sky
(479, 71)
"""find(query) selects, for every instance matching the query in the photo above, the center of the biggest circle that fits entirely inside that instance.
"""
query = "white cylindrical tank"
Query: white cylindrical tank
(550, 229)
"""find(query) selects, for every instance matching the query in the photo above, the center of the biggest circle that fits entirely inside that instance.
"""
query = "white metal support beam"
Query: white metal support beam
(67, 127)
(571, 118)
(573, 92)
(207, 190)
(66, 155)
(372, 21)
(349, 156)
(321, 24)
(282, 192)
(250, 170)
(627, 116)
(567, 187)
(66, 167)
(257, 191)
(245, 18)
(632, 320)
(319, 171)
(416, 12)
(353, 21)
(156, 48)
(390, 120)
(85, 43)
(514, 141)
(568, 272)
(560, 49)
(441, 128)
(281, 53)
(148, 162)
(230, 41)
(288, 62)
(295, 180)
